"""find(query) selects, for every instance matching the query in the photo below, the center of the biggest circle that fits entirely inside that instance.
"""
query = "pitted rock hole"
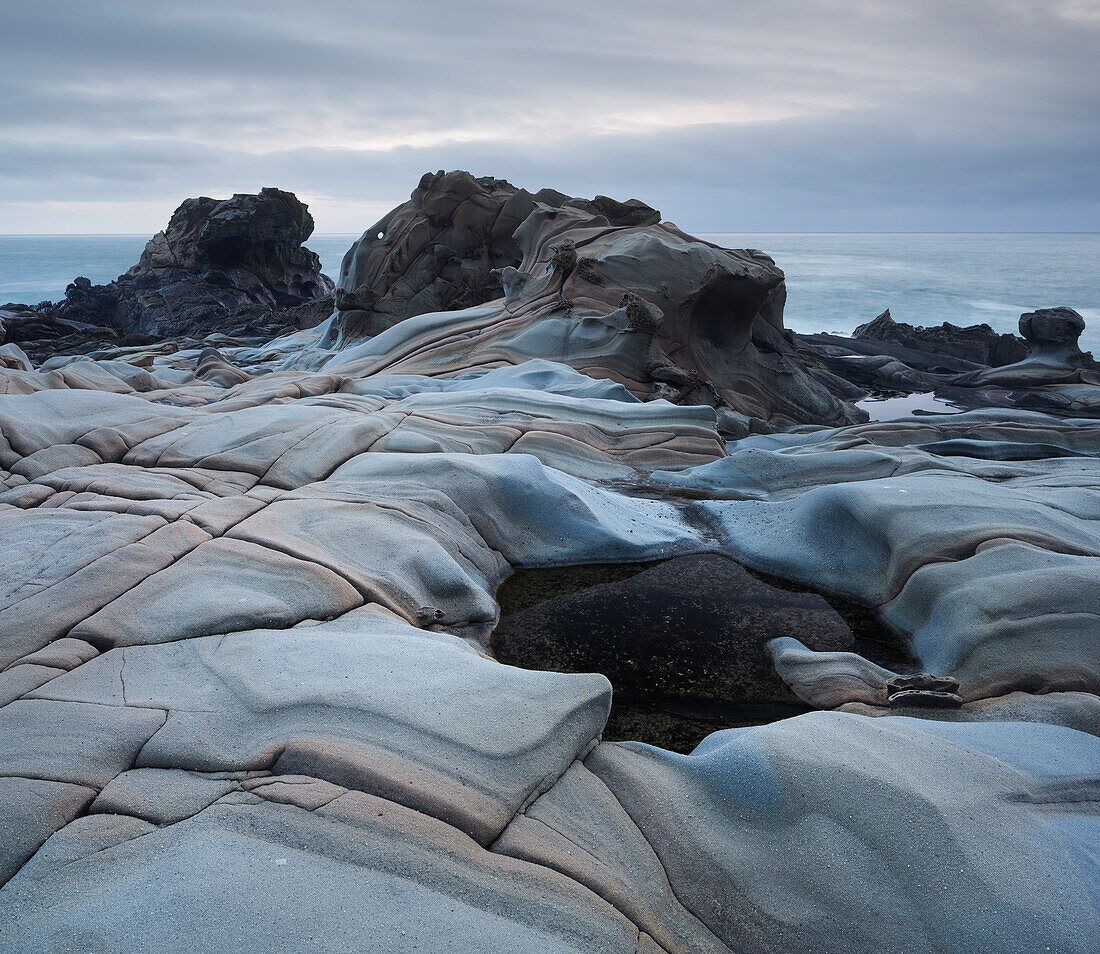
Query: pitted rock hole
(723, 313)
(683, 641)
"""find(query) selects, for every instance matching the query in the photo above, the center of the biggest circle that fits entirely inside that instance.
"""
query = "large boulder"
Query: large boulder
(441, 250)
(1054, 333)
(216, 259)
(600, 285)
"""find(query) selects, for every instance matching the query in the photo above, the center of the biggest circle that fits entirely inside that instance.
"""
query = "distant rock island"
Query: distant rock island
(530, 587)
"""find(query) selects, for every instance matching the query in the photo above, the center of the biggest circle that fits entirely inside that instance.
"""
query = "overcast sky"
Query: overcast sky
(765, 116)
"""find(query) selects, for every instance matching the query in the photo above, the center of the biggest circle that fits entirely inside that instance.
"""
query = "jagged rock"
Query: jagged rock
(216, 258)
(43, 334)
(925, 699)
(977, 343)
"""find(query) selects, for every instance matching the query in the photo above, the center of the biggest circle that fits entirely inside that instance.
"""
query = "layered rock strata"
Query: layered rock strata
(248, 595)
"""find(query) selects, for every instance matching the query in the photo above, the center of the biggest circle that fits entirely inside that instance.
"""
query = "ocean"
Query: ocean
(834, 282)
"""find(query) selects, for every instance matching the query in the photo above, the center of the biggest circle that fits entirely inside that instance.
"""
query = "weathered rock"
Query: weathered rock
(216, 259)
(977, 343)
(1054, 332)
(443, 249)
(925, 698)
(828, 679)
(247, 601)
(975, 560)
(310, 701)
(601, 286)
(923, 682)
(683, 642)
(811, 833)
(1054, 357)
(44, 333)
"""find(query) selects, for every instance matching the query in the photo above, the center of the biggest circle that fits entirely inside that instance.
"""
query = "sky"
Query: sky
(729, 116)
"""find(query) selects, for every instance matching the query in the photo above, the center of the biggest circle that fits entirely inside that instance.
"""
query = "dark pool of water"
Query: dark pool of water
(683, 641)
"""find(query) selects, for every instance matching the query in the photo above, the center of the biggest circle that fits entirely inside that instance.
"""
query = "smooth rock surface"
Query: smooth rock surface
(249, 588)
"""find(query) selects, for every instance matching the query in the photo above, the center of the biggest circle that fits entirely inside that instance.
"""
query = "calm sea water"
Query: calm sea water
(835, 282)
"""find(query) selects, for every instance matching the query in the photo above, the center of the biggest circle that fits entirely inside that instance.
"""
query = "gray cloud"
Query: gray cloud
(791, 115)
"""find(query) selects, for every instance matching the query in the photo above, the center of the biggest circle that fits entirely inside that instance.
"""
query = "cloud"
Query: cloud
(791, 115)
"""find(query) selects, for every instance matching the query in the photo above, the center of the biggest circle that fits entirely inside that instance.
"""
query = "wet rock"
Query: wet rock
(923, 681)
(683, 642)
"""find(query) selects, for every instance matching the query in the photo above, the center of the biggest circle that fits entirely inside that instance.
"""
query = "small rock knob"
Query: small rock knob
(1052, 326)
(427, 615)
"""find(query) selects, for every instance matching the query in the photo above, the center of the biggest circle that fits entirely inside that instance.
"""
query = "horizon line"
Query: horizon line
(696, 232)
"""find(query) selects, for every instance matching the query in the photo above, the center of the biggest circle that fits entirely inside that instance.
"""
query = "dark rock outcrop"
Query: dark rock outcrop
(42, 334)
(1054, 334)
(443, 248)
(977, 343)
(1054, 356)
(603, 286)
(923, 690)
(216, 258)
(683, 642)
(1053, 376)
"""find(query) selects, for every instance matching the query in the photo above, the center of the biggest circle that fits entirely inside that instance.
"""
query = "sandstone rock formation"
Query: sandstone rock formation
(250, 594)
(442, 249)
(1054, 356)
(886, 358)
(600, 285)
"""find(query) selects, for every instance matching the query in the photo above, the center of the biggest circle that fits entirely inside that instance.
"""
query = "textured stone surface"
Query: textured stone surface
(249, 587)
(600, 286)
(811, 833)
(220, 264)
(977, 343)
(341, 701)
(443, 249)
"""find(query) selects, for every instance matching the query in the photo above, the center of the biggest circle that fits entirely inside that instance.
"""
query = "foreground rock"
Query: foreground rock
(250, 594)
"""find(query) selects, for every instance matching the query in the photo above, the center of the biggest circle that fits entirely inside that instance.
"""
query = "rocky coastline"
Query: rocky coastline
(530, 587)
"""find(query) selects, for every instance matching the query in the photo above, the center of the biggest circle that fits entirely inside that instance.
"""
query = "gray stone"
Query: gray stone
(31, 810)
(367, 702)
